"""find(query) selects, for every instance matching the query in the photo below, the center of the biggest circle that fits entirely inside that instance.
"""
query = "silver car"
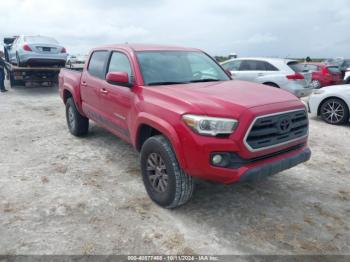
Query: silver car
(281, 73)
(36, 51)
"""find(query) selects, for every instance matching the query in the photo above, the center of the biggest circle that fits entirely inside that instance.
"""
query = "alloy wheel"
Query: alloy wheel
(333, 112)
(157, 172)
(315, 84)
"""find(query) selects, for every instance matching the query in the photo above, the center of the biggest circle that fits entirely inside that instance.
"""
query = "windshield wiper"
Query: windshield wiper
(165, 83)
(205, 80)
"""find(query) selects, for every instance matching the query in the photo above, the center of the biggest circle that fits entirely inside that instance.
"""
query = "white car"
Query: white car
(347, 77)
(76, 59)
(282, 73)
(331, 103)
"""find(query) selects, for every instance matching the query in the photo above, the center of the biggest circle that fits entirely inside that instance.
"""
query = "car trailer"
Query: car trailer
(25, 76)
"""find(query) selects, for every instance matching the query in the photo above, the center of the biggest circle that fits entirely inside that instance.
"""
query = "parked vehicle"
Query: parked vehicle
(282, 73)
(35, 51)
(347, 77)
(343, 64)
(181, 110)
(324, 75)
(46, 75)
(75, 59)
(331, 104)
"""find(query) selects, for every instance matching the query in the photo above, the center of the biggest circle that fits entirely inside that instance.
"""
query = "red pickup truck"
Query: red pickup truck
(186, 116)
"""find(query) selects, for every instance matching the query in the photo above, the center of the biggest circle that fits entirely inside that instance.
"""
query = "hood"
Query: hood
(224, 98)
(336, 88)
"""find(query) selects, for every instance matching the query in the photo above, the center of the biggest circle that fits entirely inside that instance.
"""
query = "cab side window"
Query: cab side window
(119, 62)
(97, 64)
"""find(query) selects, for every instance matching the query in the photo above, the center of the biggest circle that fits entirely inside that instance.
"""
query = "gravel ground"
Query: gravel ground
(64, 195)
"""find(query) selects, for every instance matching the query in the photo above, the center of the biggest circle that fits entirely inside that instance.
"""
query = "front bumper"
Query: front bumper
(198, 151)
(251, 168)
(276, 166)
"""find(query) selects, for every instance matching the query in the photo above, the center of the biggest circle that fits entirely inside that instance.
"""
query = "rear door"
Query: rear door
(116, 99)
(92, 82)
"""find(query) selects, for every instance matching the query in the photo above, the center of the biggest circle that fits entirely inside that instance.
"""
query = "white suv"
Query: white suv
(282, 73)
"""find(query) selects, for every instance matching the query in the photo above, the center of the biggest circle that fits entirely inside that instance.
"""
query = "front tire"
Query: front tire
(165, 182)
(78, 125)
(334, 111)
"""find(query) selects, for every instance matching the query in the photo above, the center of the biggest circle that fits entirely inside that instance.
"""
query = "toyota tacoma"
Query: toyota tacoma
(186, 116)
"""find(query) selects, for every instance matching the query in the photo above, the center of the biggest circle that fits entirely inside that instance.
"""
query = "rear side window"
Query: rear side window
(297, 67)
(334, 69)
(97, 64)
(120, 63)
(270, 67)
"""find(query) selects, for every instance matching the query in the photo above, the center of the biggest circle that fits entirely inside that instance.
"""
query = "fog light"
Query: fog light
(217, 159)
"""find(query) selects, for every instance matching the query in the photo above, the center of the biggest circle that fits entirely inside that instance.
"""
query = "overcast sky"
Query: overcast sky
(319, 28)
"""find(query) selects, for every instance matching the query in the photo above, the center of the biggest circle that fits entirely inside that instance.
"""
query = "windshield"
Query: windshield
(178, 67)
(40, 40)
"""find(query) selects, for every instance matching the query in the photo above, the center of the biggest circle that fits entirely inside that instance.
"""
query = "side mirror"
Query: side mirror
(118, 78)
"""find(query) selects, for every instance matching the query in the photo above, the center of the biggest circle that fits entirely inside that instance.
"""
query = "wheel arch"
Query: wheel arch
(148, 125)
(270, 83)
(69, 93)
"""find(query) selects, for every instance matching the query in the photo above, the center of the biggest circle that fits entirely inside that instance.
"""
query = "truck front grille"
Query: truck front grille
(277, 129)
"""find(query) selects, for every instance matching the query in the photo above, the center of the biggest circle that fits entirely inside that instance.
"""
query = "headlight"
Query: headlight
(212, 126)
(318, 91)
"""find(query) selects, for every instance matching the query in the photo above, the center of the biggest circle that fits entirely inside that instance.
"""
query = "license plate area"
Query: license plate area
(46, 49)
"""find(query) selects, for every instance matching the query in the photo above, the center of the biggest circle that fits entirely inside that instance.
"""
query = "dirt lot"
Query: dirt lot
(63, 195)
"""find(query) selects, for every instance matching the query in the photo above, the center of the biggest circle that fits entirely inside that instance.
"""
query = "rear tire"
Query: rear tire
(78, 125)
(165, 182)
(334, 111)
(315, 84)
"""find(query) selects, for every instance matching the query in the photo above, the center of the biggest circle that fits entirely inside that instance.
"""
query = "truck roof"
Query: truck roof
(146, 47)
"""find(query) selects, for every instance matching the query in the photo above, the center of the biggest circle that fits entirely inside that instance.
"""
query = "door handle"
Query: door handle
(260, 74)
(83, 83)
(103, 91)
